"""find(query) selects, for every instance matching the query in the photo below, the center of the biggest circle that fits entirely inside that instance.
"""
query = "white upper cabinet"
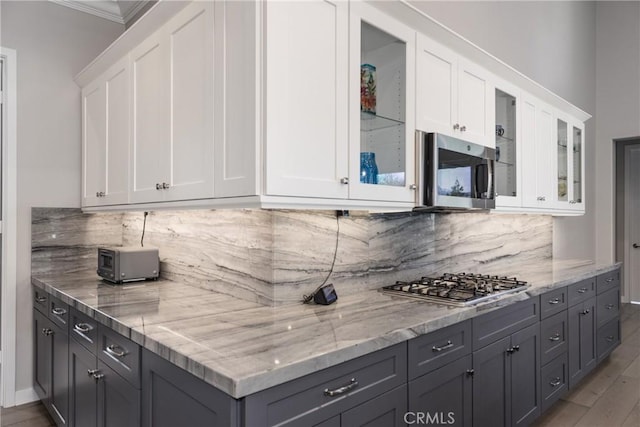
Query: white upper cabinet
(537, 156)
(381, 107)
(173, 95)
(105, 138)
(569, 164)
(306, 135)
(454, 95)
(508, 137)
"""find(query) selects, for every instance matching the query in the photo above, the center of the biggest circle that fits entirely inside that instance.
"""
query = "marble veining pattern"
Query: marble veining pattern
(243, 347)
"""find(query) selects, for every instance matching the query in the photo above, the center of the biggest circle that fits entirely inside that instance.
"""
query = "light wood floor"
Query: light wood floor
(608, 397)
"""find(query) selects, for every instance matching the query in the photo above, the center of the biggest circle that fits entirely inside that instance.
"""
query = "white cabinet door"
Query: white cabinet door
(577, 180)
(475, 104)
(436, 87)
(454, 96)
(508, 134)
(117, 150)
(306, 134)
(150, 127)
(105, 139)
(191, 90)
(537, 164)
(388, 133)
(94, 121)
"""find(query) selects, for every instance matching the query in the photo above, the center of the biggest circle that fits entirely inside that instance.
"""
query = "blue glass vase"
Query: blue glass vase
(368, 168)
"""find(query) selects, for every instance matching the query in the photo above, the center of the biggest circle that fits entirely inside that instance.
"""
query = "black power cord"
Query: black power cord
(144, 226)
(306, 299)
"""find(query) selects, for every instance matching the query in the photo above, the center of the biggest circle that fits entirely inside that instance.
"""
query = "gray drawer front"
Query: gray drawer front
(581, 291)
(553, 337)
(84, 329)
(58, 313)
(608, 281)
(120, 354)
(436, 349)
(608, 338)
(503, 322)
(41, 301)
(553, 380)
(607, 306)
(553, 302)
(375, 374)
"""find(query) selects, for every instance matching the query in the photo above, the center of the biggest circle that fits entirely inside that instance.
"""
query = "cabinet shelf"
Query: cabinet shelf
(371, 122)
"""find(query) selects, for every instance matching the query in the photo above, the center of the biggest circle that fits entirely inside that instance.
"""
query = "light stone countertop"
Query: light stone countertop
(244, 347)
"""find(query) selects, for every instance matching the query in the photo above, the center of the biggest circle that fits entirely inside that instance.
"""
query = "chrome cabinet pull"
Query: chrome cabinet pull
(610, 338)
(59, 311)
(609, 306)
(165, 186)
(470, 372)
(158, 186)
(556, 382)
(582, 290)
(456, 126)
(47, 331)
(463, 128)
(115, 350)
(41, 299)
(554, 301)
(92, 372)
(609, 280)
(341, 390)
(97, 376)
(636, 246)
(556, 337)
(449, 344)
(585, 311)
(82, 327)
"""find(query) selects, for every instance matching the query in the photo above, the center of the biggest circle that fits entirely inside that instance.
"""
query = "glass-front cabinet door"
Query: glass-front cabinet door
(562, 162)
(508, 182)
(381, 107)
(569, 191)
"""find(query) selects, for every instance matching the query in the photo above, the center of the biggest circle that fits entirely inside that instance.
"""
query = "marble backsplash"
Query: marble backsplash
(277, 256)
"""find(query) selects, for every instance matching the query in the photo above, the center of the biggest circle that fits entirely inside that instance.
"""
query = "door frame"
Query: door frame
(9, 229)
(621, 218)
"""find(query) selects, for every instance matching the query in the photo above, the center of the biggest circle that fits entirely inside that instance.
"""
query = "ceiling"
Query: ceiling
(121, 11)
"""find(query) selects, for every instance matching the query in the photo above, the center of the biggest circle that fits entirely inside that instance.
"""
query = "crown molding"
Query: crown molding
(112, 10)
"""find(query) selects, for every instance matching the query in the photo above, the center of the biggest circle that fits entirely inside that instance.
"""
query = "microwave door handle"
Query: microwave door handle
(481, 178)
(490, 190)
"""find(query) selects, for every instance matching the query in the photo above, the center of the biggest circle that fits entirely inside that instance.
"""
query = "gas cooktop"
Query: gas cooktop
(462, 289)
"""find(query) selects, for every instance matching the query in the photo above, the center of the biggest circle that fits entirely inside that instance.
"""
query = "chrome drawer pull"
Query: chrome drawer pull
(115, 350)
(47, 331)
(556, 382)
(554, 301)
(582, 290)
(41, 299)
(610, 338)
(352, 384)
(92, 372)
(609, 306)
(556, 337)
(609, 280)
(82, 327)
(59, 311)
(449, 344)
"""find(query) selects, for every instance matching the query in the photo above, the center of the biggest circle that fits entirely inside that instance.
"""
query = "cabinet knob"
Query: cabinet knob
(584, 312)
(456, 126)
(47, 331)
(92, 372)
(636, 246)
(463, 128)
(344, 180)
(165, 186)
(98, 377)
(158, 187)
(413, 187)
(470, 372)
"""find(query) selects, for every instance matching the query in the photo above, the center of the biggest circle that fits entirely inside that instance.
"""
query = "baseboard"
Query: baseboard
(26, 395)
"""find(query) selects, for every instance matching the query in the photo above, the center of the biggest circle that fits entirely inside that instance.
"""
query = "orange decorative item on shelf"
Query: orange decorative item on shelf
(368, 88)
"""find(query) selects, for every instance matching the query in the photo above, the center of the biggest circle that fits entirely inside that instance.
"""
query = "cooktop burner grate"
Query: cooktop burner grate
(460, 289)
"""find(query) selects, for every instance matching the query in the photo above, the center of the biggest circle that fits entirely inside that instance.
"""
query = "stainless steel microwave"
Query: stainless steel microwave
(453, 174)
(127, 264)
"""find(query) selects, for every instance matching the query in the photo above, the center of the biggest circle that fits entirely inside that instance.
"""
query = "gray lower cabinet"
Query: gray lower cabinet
(444, 395)
(51, 362)
(83, 391)
(506, 380)
(316, 399)
(118, 400)
(582, 340)
(386, 410)
(172, 397)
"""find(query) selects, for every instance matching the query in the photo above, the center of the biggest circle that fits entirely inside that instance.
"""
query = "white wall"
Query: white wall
(53, 43)
(553, 43)
(617, 105)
